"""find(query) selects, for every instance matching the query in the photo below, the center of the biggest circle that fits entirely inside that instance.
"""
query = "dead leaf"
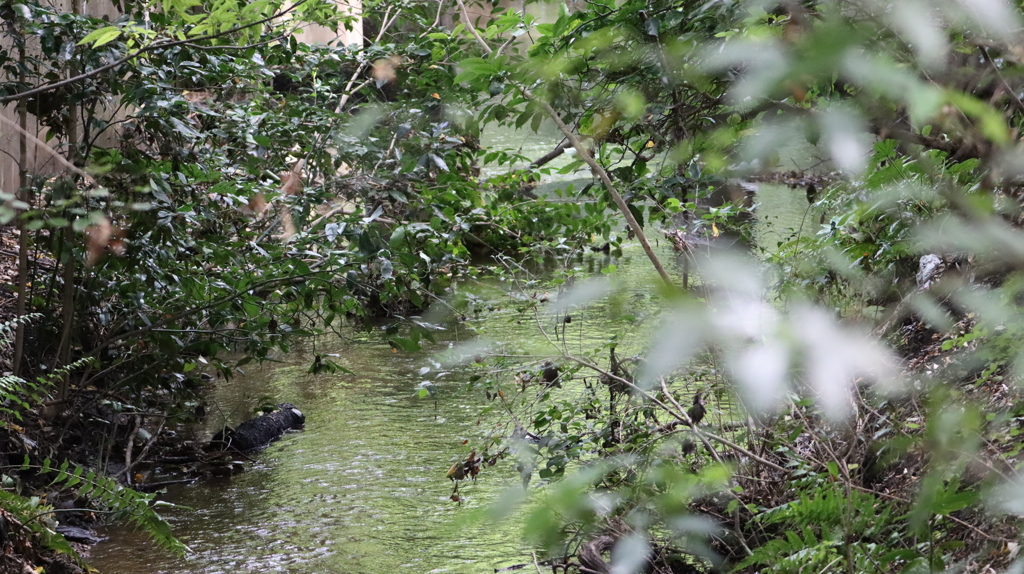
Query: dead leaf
(384, 69)
(257, 204)
(116, 244)
(97, 237)
(291, 182)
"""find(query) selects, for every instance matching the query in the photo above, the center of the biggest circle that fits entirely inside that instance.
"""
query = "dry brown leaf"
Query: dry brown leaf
(257, 204)
(291, 182)
(288, 224)
(116, 246)
(97, 237)
(385, 69)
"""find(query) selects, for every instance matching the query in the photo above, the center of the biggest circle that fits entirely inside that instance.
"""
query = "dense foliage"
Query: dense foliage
(829, 450)
(228, 187)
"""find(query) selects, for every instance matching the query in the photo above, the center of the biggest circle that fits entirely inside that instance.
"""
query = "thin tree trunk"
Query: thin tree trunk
(584, 155)
(68, 298)
(601, 173)
(67, 312)
(24, 195)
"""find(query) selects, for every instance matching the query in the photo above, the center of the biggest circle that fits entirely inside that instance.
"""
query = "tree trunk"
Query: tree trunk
(24, 195)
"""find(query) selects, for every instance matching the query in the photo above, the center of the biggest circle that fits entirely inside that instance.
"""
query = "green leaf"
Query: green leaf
(993, 125)
(397, 236)
(101, 36)
(638, 213)
(404, 344)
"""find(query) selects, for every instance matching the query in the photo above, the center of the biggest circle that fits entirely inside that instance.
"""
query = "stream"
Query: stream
(362, 490)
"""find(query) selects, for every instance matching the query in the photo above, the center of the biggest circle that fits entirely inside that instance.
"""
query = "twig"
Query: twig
(693, 425)
(160, 323)
(544, 159)
(534, 554)
(232, 47)
(154, 486)
(49, 150)
(472, 28)
(387, 153)
(38, 260)
(359, 70)
(829, 565)
(512, 37)
(680, 416)
(145, 449)
(599, 171)
(128, 451)
(437, 19)
(1006, 85)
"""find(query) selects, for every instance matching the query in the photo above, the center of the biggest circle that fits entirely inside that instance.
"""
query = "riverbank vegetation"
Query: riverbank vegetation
(843, 400)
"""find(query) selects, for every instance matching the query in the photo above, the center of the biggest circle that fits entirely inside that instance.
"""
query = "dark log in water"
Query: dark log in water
(258, 432)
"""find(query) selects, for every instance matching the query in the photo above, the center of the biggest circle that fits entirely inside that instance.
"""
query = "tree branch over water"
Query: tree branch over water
(584, 155)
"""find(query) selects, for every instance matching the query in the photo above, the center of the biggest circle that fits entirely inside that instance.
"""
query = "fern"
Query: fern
(29, 512)
(32, 515)
(15, 390)
(8, 327)
(817, 530)
(23, 394)
(120, 502)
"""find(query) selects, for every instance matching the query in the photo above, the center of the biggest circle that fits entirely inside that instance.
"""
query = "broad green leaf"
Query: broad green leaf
(101, 36)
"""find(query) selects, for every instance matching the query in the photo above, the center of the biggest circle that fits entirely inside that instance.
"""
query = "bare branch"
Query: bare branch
(472, 28)
(49, 150)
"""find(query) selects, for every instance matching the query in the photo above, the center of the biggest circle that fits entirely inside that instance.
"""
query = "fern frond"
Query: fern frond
(817, 526)
(8, 327)
(30, 513)
(123, 503)
(105, 492)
